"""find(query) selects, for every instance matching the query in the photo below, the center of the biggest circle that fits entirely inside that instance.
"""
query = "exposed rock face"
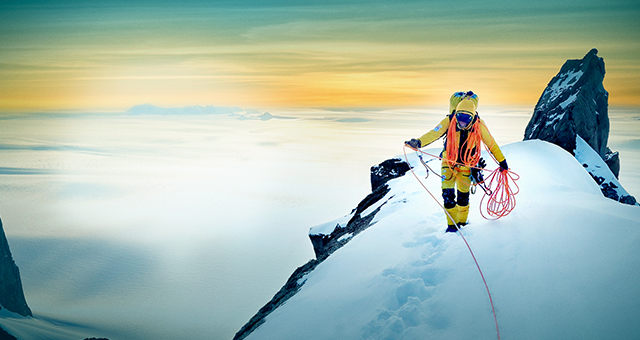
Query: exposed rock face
(6, 336)
(387, 170)
(327, 241)
(11, 294)
(575, 103)
(600, 172)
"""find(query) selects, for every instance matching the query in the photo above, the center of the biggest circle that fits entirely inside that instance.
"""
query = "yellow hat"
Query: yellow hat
(466, 105)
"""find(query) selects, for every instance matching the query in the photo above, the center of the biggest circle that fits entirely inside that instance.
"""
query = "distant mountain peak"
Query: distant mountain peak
(149, 109)
(198, 110)
(575, 104)
(11, 293)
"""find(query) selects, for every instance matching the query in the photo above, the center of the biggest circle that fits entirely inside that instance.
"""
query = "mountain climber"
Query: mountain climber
(463, 130)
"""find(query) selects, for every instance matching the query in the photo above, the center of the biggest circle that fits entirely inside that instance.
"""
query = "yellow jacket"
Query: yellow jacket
(441, 129)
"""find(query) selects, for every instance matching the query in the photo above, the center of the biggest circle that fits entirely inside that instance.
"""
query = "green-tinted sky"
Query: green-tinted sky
(80, 55)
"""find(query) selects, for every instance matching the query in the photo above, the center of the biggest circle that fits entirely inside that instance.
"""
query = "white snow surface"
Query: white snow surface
(595, 165)
(563, 265)
(554, 119)
(29, 328)
(569, 100)
(327, 228)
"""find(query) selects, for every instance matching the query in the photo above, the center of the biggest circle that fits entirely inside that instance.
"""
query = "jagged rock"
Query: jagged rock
(11, 293)
(573, 108)
(4, 335)
(295, 281)
(612, 159)
(601, 174)
(325, 243)
(628, 199)
(575, 103)
(387, 170)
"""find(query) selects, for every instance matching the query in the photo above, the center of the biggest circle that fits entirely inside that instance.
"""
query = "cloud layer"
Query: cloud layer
(79, 55)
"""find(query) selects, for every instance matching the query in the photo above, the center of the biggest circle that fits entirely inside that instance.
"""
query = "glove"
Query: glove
(414, 143)
(504, 166)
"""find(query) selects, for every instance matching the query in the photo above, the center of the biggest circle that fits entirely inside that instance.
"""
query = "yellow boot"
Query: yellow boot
(452, 223)
(463, 213)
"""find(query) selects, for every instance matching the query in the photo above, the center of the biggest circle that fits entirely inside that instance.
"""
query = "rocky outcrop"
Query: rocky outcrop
(6, 336)
(575, 103)
(329, 237)
(293, 285)
(387, 170)
(600, 172)
(332, 236)
(11, 293)
(325, 244)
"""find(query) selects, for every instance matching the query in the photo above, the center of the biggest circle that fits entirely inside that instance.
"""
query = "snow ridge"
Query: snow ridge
(559, 266)
(325, 241)
(598, 169)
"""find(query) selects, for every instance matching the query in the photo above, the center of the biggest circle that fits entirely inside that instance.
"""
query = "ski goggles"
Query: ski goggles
(468, 94)
(464, 118)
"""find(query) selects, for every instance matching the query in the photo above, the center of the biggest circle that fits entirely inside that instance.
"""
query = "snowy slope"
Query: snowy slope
(599, 170)
(563, 265)
(42, 328)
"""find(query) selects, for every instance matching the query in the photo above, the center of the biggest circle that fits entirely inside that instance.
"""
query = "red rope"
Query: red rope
(502, 198)
(495, 318)
(502, 189)
(467, 150)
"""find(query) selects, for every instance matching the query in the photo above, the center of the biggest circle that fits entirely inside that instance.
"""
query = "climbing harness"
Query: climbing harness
(479, 182)
(505, 181)
(499, 187)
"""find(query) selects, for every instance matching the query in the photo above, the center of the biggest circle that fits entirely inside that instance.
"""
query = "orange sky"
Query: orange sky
(75, 55)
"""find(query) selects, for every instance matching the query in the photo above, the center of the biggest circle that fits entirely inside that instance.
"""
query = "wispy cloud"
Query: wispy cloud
(284, 53)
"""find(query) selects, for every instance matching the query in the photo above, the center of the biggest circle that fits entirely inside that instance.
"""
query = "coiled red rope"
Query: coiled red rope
(501, 185)
(501, 199)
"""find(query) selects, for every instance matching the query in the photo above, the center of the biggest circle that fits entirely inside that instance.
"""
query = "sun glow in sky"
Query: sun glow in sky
(84, 55)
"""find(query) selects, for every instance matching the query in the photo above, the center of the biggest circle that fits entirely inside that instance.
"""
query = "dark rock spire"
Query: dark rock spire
(11, 293)
(575, 103)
